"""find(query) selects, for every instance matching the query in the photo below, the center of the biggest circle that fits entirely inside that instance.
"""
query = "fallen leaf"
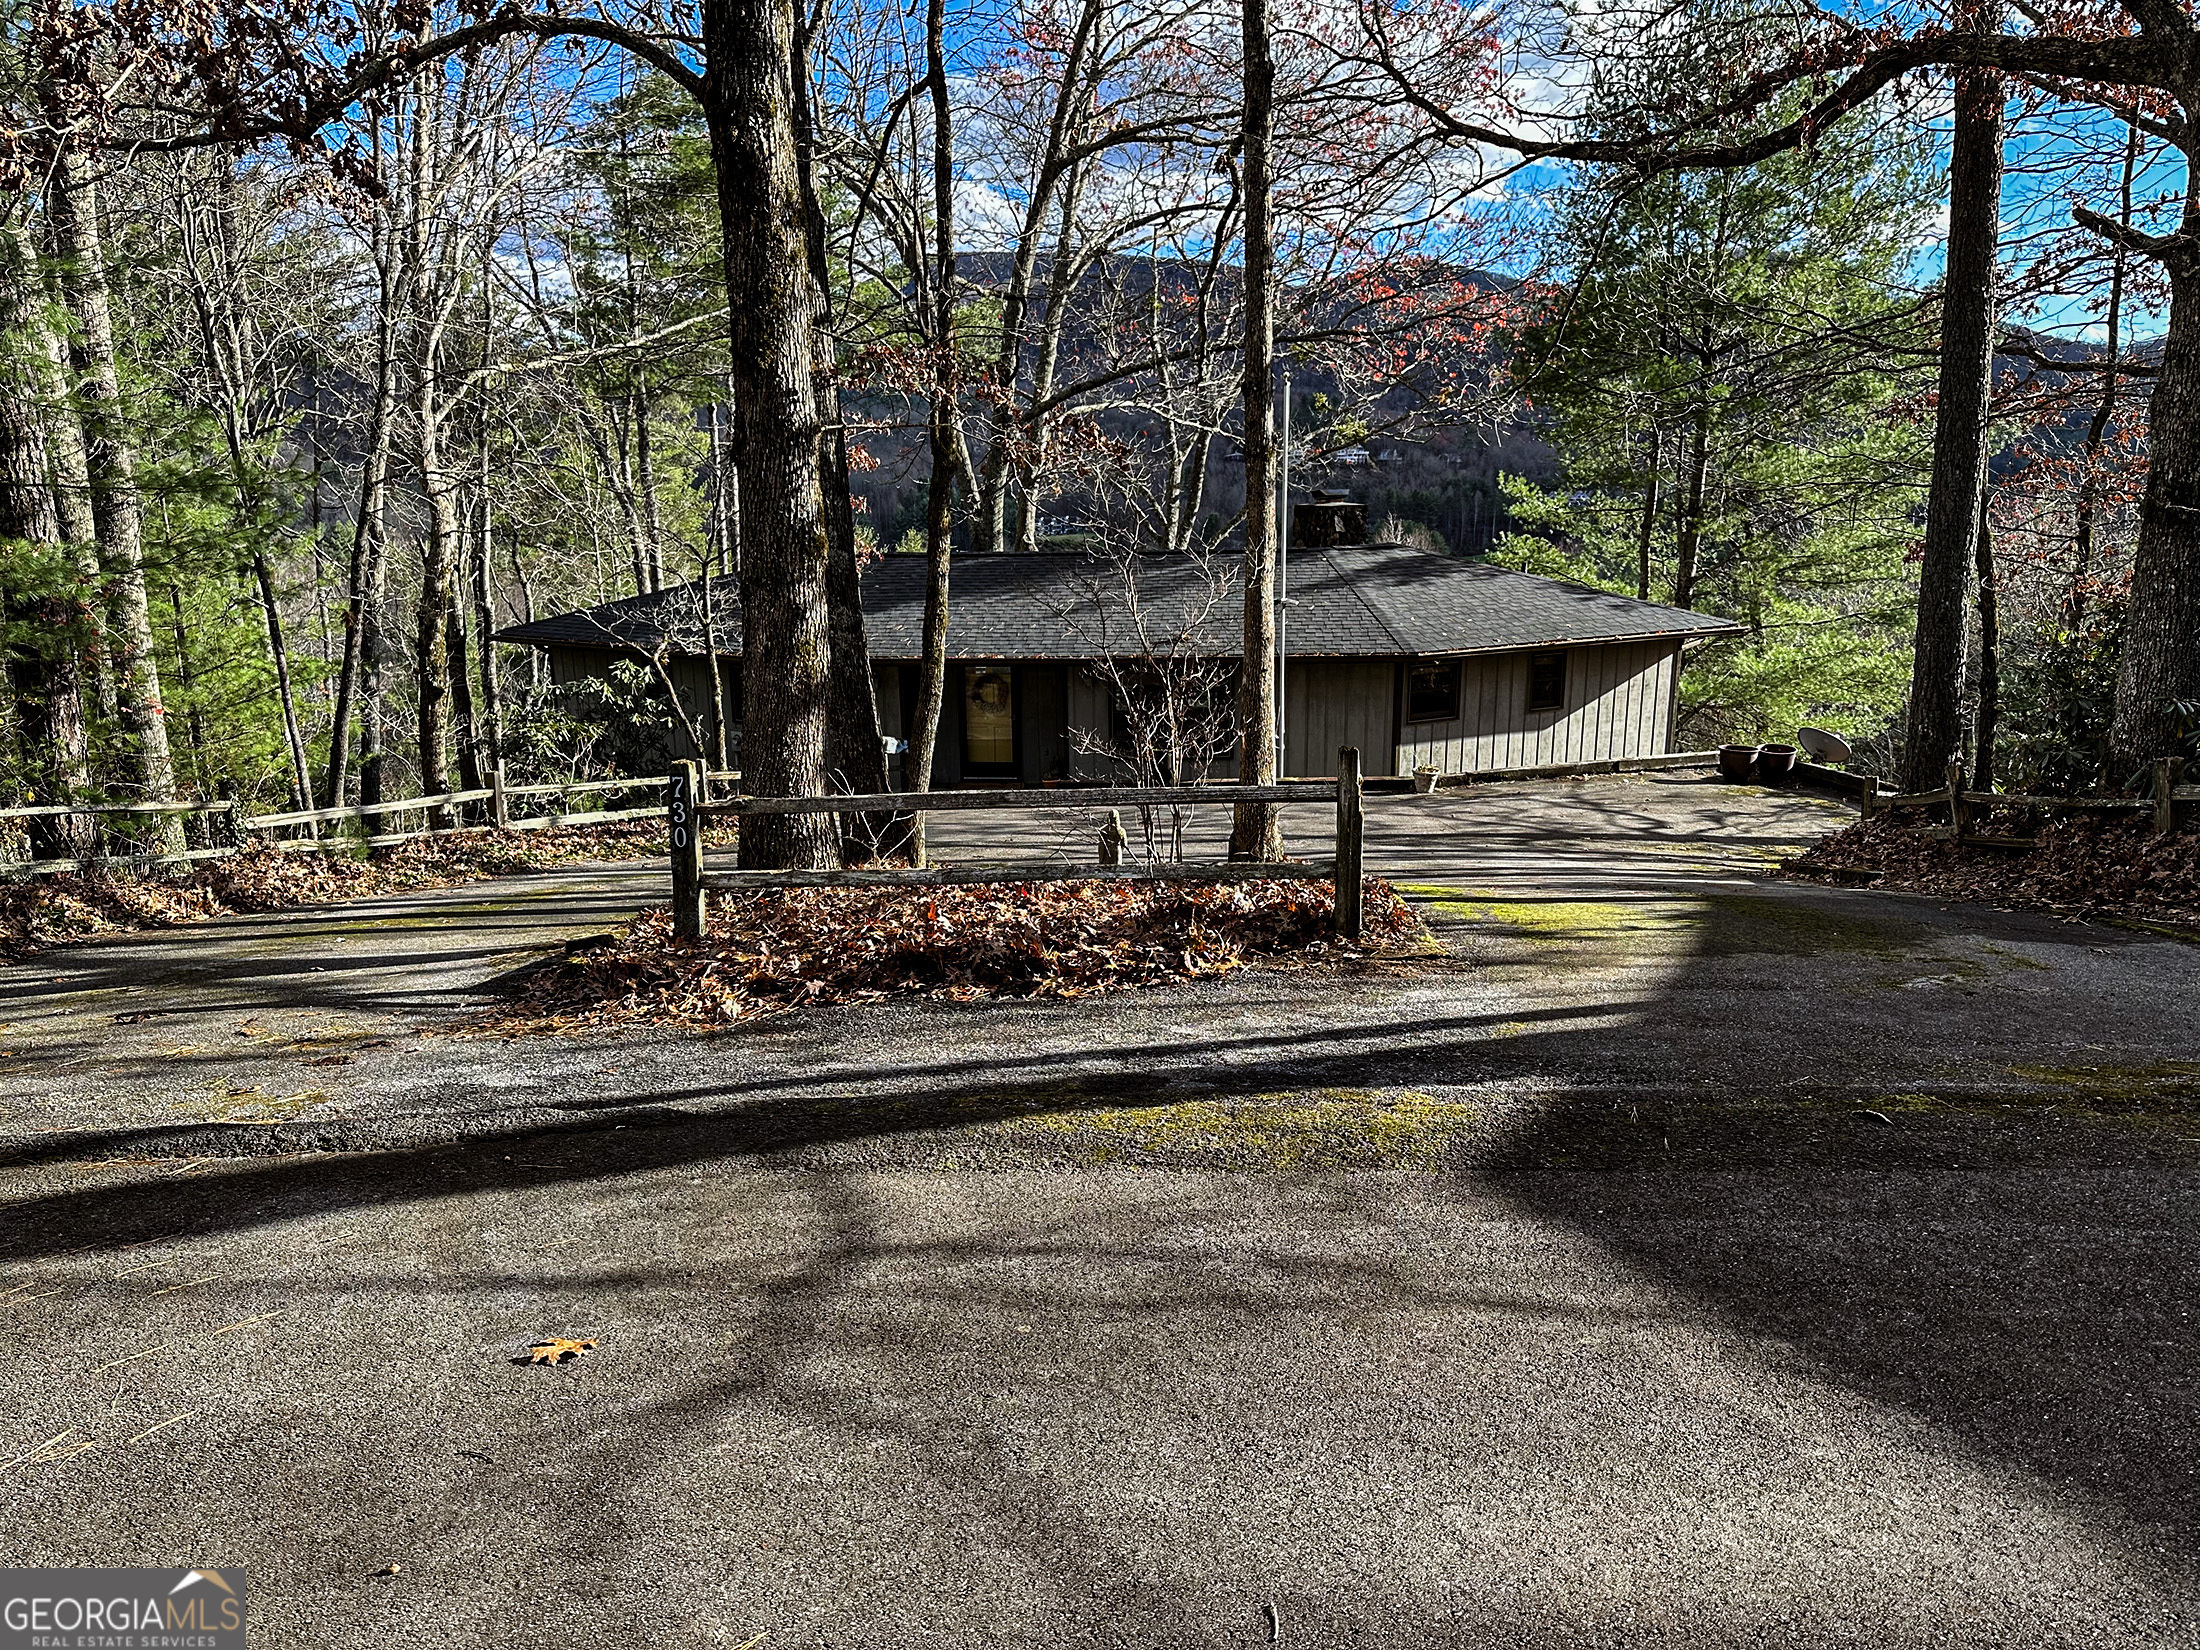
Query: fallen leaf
(330, 1060)
(557, 1351)
(133, 1019)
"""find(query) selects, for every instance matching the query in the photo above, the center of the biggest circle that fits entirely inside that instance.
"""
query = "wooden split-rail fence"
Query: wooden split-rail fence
(687, 813)
(233, 830)
(1964, 806)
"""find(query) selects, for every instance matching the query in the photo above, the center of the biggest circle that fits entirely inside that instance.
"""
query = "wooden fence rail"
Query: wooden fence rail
(237, 824)
(2170, 793)
(685, 814)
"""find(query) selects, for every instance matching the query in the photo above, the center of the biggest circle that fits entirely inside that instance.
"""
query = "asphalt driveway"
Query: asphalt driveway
(1683, 1258)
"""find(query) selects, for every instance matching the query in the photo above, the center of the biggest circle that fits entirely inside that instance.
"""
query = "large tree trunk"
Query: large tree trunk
(1959, 431)
(786, 668)
(2161, 651)
(41, 655)
(1256, 832)
(71, 479)
(439, 538)
(117, 513)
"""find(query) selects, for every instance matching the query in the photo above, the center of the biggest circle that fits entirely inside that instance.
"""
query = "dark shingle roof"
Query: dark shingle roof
(1381, 600)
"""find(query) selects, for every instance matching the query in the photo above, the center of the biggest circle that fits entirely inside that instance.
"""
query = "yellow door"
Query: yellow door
(989, 718)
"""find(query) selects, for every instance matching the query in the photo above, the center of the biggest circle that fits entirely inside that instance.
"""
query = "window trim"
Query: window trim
(1458, 696)
(1565, 685)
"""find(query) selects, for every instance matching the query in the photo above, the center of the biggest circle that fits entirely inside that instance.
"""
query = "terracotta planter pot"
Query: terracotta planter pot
(1736, 762)
(1424, 780)
(1776, 764)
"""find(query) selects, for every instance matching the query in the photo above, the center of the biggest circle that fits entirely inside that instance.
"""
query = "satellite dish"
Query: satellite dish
(1822, 746)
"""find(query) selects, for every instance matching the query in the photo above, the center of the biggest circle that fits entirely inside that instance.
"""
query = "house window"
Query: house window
(1547, 680)
(1432, 692)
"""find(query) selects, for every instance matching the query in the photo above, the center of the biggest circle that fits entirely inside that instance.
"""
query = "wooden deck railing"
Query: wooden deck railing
(690, 882)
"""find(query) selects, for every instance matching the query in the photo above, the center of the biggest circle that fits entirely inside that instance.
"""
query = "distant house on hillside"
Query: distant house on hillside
(1408, 655)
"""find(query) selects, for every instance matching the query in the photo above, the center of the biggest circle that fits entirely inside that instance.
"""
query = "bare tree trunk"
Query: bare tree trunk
(431, 647)
(748, 49)
(432, 614)
(301, 774)
(988, 483)
(223, 339)
(854, 750)
(2160, 667)
(373, 664)
(939, 494)
(1062, 276)
(484, 580)
(1649, 517)
(1256, 831)
(41, 656)
(645, 487)
(1989, 658)
(2096, 433)
(1959, 433)
(186, 678)
(1689, 540)
(465, 716)
(368, 546)
(472, 771)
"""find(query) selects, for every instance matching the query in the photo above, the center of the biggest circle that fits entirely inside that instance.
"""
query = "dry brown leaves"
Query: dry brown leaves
(40, 913)
(557, 1351)
(795, 948)
(2081, 866)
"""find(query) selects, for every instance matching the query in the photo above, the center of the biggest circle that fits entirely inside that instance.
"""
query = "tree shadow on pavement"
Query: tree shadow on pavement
(2021, 1284)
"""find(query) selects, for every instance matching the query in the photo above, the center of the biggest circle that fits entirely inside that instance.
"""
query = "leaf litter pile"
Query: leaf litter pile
(2085, 867)
(777, 950)
(39, 913)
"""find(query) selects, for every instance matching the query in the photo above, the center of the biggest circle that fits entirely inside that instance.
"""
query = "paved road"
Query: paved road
(1685, 1259)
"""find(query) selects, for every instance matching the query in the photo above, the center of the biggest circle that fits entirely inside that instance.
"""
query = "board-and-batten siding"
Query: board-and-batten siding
(1618, 705)
(1330, 703)
(1619, 701)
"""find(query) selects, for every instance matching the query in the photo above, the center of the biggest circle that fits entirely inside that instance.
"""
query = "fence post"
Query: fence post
(1113, 838)
(500, 807)
(1870, 797)
(1959, 811)
(1349, 822)
(687, 852)
(2169, 772)
(232, 835)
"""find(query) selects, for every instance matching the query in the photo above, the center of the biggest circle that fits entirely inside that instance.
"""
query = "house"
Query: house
(1411, 656)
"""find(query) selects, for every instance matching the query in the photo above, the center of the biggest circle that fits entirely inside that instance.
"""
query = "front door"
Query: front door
(989, 721)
